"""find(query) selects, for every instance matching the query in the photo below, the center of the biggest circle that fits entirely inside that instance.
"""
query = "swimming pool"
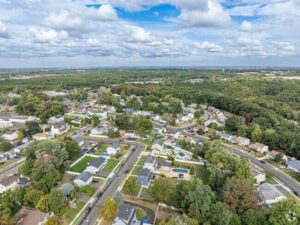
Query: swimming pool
(178, 170)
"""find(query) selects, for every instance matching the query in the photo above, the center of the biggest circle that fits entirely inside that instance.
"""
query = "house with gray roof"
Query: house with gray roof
(257, 175)
(113, 149)
(66, 189)
(96, 165)
(144, 177)
(269, 194)
(150, 163)
(126, 216)
(83, 179)
(294, 165)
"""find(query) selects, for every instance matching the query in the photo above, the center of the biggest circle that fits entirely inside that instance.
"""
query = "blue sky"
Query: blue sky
(103, 33)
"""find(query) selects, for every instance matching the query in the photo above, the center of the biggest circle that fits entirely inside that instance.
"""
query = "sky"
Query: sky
(180, 33)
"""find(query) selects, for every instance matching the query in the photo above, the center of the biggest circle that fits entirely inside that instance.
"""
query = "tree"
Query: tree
(130, 187)
(54, 220)
(198, 114)
(252, 216)
(232, 124)
(162, 189)
(109, 208)
(239, 194)
(118, 199)
(220, 214)
(56, 200)
(32, 197)
(43, 203)
(5, 146)
(285, 213)
(72, 148)
(217, 178)
(179, 220)
(95, 121)
(32, 127)
(243, 169)
(256, 134)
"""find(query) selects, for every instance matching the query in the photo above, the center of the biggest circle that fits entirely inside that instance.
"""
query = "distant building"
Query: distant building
(150, 163)
(22, 119)
(270, 194)
(126, 216)
(242, 141)
(5, 124)
(96, 165)
(10, 135)
(294, 165)
(28, 216)
(59, 128)
(56, 119)
(66, 189)
(8, 183)
(259, 147)
(257, 175)
(273, 154)
(83, 179)
(113, 149)
(41, 136)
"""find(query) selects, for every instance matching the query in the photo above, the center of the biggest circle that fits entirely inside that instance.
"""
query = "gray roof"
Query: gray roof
(85, 176)
(269, 192)
(255, 172)
(145, 172)
(294, 164)
(66, 188)
(158, 142)
(98, 162)
(150, 159)
(115, 145)
(125, 212)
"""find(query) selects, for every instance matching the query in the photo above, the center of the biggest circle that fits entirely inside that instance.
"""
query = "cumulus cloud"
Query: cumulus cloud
(3, 30)
(63, 20)
(208, 46)
(107, 12)
(214, 16)
(246, 26)
(50, 36)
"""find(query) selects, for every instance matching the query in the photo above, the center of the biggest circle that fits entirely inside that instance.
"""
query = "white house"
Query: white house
(257, 175)
(5, 124)
(10, 154)
(10, 135)
(99, 131)
(259, 147)
(96, 165)
(3, 158)
(41, 136)
(242, 141)
(294, 165)
(158, 148)
(8, 183)
(22, 119)
(59, 128)
(56, 119)
(269, 194)
(113, 149)
(83, 179)
(150, 163)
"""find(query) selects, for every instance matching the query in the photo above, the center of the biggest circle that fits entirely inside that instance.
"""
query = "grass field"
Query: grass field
(111, 164)
(142, 160)
(80, 166)
(70, 213)
(136, 170)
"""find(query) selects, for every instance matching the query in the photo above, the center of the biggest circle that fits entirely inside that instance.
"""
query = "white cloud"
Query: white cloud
(50, 36)
(246, 26)
(214, 16)
(63, 20)
(107, 12)
(208, 46)
(3, 30)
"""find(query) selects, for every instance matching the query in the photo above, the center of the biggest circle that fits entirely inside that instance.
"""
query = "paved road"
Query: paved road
(113, 185)
(285, 179)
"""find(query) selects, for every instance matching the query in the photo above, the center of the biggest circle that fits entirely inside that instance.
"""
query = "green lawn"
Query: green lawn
(80, 166)
(142, 160)
(70, 213)
(201, 172)
(111, 164)
(136, 170)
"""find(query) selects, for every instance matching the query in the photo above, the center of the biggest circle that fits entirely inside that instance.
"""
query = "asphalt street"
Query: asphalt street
(113, 185)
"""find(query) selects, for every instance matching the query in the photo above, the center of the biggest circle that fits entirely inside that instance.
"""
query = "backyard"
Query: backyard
(80, 166)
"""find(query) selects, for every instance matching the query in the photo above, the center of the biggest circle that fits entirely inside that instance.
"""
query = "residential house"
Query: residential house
(159, 149)
(257, 175)
(10, 135)
(8, 183)
(56, 119)
(242, 141)
(273, 154)
(41, 136)
(113, 149)
(99, 131)
(129, 134)
(294, 165)
(144, 177)
(59, 128)
(150, 163)
(126, 216)
(22, 119)
(7, 108)
(259, 147)
(225, 136)
(165, 166)
(96, 165)
(66, 189)
(83, 179)
(28, 216)
(269, 194)
(10, 154)
(3, 158)
(54, 93)
(5, 124)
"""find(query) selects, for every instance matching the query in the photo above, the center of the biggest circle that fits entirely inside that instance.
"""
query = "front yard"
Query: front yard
(80, 166)
(111, 164)
(69, 213)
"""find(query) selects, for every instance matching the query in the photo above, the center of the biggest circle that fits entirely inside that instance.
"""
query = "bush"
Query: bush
(140, 213)
(89, 190)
